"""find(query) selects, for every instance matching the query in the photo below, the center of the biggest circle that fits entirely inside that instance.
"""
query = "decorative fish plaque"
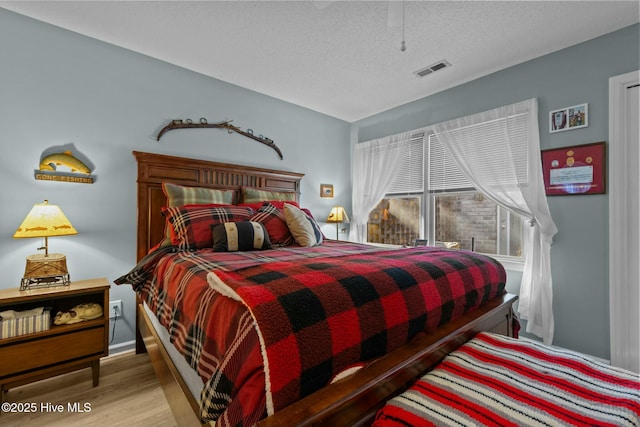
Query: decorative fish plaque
(65, 167)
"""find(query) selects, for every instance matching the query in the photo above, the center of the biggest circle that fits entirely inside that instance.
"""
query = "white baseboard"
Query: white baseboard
(122, 347)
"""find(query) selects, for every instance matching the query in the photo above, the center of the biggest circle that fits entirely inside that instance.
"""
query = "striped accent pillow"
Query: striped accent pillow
(303, 227)
(253, 195)
(240, 236)
(191, 225)
(180, 195)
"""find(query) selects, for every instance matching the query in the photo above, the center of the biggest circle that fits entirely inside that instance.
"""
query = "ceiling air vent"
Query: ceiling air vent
(432, 68)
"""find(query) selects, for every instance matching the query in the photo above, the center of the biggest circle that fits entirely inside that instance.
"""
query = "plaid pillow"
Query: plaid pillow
(239, 236)
(273, 220)
(169, 233)
(191, 225)
(252, 195)
(278, 204)
(180, 195)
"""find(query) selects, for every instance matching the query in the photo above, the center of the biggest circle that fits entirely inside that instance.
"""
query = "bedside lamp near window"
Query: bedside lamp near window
(339, 216)
(45, 220)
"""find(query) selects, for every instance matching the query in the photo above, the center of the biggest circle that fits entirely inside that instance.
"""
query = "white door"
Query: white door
(624, 220)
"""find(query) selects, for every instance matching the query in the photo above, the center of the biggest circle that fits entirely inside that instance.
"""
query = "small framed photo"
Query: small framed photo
(569, 118)
(326, 190)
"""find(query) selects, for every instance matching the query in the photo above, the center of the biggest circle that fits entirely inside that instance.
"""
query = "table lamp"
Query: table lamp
(339, 216)
(45, 220)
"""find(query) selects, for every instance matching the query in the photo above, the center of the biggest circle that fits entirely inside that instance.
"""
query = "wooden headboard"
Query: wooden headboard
(154, 169)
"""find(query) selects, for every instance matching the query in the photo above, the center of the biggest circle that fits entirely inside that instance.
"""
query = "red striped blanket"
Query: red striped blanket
(316, 317)
(498, 381)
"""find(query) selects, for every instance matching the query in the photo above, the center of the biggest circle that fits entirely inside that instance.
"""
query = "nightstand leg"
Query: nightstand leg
(95, 370)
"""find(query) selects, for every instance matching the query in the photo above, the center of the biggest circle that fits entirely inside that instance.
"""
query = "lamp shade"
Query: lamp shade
(338, 215)
(45, 220)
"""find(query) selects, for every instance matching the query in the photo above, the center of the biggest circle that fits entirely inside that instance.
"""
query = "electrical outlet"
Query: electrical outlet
(115, 309)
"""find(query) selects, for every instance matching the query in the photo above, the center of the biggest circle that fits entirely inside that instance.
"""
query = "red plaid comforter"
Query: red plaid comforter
(498, 381)
(381, 299)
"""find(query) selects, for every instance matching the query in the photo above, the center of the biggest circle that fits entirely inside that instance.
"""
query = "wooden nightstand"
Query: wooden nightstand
(62, 348)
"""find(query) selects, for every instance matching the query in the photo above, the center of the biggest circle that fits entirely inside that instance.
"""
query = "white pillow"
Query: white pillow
(305, 230)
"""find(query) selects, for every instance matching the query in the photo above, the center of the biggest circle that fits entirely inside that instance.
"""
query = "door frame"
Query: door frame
(623, 256)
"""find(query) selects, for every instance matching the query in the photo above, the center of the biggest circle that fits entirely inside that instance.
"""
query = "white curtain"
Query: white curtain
(499, 152)
(375, 163)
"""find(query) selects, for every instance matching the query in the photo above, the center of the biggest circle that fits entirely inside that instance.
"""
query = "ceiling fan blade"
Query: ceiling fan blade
(395, 10)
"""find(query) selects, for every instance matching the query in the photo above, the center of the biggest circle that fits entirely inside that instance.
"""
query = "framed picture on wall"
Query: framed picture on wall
(575, 170)
(326, 190)
(569, 118)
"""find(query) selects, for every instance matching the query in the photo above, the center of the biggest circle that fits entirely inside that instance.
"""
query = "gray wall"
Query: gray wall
(60, 89)
(572, 76)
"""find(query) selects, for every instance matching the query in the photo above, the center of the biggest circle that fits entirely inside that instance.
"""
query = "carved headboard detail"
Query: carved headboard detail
(154, 169)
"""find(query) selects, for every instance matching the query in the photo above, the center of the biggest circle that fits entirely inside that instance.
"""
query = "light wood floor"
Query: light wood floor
(128, 395)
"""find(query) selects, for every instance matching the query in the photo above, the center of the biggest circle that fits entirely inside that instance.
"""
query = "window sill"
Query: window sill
(509, 262)
(385, 245)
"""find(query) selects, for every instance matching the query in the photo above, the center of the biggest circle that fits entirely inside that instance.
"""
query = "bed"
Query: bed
(415, 344)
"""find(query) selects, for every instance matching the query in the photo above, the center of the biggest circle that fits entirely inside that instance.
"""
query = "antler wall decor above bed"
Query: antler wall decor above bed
(189, 124)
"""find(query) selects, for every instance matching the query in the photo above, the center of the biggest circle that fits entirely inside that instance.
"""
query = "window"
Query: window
(468, 220)
(449, 213)
(499, 150)
(462, 217)
(397, 219)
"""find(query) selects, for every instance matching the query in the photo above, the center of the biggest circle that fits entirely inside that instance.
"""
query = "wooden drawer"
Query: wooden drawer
(41, 352)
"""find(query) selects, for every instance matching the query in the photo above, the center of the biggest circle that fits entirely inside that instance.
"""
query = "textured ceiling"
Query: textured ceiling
(341, 58)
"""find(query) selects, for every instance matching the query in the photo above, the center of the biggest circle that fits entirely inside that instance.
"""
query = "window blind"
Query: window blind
(443, 173)
(409, 177)
(503, 166)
